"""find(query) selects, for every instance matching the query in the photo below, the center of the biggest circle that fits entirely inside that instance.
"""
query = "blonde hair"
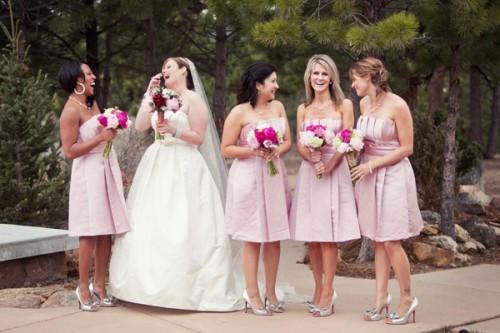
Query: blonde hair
(377, 71)
(336, 92)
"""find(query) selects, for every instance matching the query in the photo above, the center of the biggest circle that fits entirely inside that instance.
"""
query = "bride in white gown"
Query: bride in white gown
(176, 254)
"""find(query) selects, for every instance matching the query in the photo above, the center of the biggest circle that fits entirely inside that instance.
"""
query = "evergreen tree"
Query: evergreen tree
(33, 177)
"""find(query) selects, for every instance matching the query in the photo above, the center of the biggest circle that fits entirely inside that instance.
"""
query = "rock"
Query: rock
(472, 200)
(497, 233)
(431, 217)
(444, 242)
(462, 259)
(430, 229)
(61, 298)
(461, 234)
(24, 301)
(480, 246)
(433, 255)
(481, 231)
(468, 247)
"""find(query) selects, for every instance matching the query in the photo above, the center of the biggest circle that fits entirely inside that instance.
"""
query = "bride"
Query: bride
(176, 254)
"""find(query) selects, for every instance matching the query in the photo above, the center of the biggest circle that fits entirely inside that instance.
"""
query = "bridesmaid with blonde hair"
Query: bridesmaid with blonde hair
(386, 192)
(257, 202)
(323, 210)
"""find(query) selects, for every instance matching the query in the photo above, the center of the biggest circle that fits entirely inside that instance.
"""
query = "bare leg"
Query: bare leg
(382, 271)
(329, 253)
(401, 265)
(317, 269)
(250, 257)
(85, 252)
(102, 252)
(271, 261)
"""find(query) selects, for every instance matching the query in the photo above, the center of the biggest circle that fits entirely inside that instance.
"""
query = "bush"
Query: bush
(33, 176)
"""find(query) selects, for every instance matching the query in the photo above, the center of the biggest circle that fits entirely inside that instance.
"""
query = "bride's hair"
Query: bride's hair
(325, 61)
(256, 72)
(183, 62)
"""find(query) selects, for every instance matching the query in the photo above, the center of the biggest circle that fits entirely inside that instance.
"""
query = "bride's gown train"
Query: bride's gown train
(176, 254)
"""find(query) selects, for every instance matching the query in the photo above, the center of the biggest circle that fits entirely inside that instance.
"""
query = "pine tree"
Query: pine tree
(33, 176)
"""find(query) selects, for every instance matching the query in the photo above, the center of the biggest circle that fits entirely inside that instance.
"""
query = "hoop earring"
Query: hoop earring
(80, 92)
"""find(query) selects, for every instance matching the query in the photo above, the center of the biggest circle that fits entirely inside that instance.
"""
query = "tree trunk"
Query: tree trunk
(475, 130)
(150, 61)
(492, 135)
(410, 96)
(219, 100)
(91, 40)
(106, 80)
(366, 252)
(436, 86)
(448, 192)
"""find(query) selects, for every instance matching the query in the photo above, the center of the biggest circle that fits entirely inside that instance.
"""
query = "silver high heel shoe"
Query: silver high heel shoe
(278, 307)
(376, 314)
(262, 311)
(109, 301)
(88, 307)
(310, 306)
(397, 319)
(325, 312)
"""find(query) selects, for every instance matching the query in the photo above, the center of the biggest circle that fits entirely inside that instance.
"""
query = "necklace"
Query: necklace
(321, 108)
(80, 103)
(377, 105)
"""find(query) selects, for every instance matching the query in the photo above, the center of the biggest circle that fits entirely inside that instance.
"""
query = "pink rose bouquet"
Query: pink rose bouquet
(266, 137)
(315, 137)
(113, 118)
(350, 143)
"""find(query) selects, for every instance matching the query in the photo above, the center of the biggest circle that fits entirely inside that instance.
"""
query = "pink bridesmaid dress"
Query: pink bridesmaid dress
(324, 209)
(96, 201)
(257, 204)
(387, 198)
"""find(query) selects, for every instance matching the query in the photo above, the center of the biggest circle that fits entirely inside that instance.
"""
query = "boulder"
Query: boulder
(468, 247)
(444, 242)
(462, 259)
(480, 231)
(61, 298)
(461, 234)
(472, 177)
(431, 217)
(21, 300)
(433, 255)
(472, 200)
(430, 229)
(480, 246)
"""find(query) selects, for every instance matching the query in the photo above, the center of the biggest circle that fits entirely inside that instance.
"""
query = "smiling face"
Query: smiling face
(172, 73)
(269, 87)
(360, 84)
(320, 78)
(88, 80)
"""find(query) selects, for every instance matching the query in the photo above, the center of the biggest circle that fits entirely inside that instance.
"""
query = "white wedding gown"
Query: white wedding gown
(176, 254)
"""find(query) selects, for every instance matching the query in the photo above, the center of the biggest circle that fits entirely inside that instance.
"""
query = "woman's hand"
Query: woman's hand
(266, 153)
(164, 128)
(108, 134)
(319, 168)
(357, 173)
(315, 155)
(154, 82)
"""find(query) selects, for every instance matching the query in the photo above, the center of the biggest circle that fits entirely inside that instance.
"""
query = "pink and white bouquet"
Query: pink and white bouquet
(315, 137)
(113, 118)
(350, 143)
(266, 137)
(166, 103)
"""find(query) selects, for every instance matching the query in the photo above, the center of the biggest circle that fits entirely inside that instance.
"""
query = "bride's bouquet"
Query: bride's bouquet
(315, 137)
(166, 103)
(113, 118)
(266, 137)
(350, 143)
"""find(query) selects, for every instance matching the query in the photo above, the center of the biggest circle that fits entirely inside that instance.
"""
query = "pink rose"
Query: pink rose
(173, 104)
(122, 119)
(103, 120)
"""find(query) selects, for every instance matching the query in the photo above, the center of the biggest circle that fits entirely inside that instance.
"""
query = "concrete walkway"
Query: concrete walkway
(455, 297)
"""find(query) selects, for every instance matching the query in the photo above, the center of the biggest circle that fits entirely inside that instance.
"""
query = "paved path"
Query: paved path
(448, 298)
